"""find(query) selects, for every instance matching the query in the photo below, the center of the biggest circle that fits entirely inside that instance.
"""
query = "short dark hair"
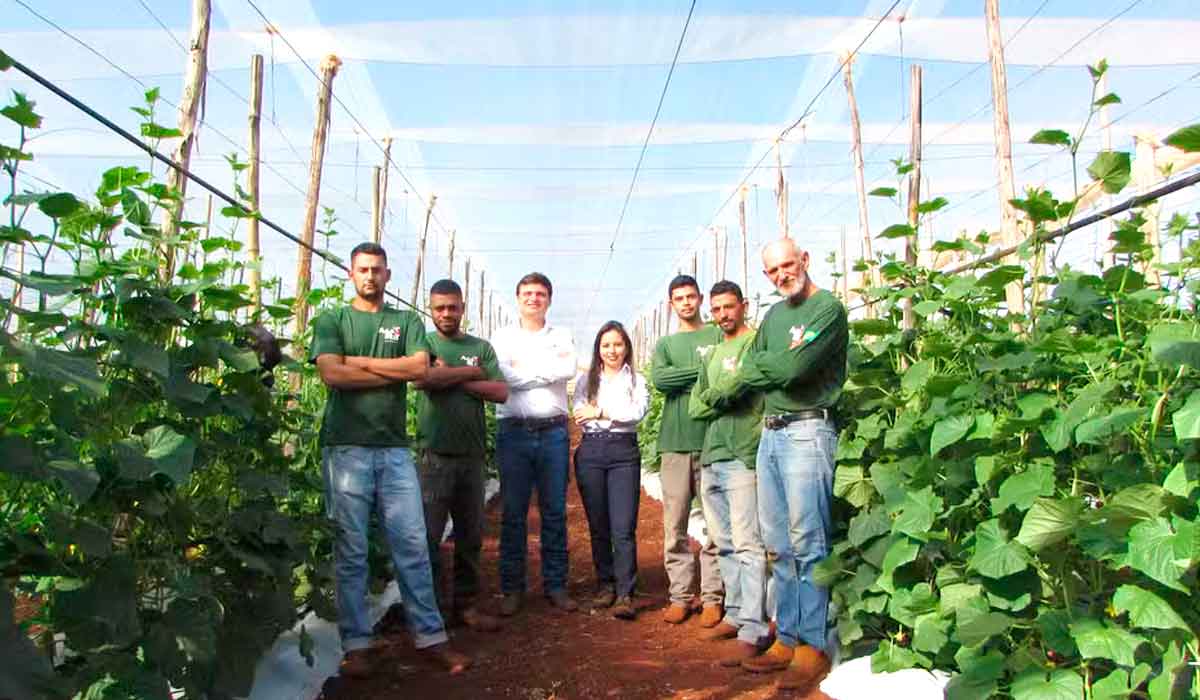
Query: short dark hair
(726, 287)
(682, 281)
(445, 287)
(368, 248)
(536, 278)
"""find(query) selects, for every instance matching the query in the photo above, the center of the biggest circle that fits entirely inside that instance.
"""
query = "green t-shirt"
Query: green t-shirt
(673, 371)
(367, 417)
(451, 421)
(734, 432)
(798, 358)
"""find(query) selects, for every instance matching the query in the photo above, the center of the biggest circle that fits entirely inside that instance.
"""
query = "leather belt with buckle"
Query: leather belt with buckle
(778, 422)
(534, 424)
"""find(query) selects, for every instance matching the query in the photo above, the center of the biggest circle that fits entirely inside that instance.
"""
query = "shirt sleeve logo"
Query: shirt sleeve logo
(801, 335)
(470, 360)
(392, 335)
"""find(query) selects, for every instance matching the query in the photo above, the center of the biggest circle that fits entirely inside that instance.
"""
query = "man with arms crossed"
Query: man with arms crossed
(798, 359)
(366, 353)
(452, 438)
(673, 370)
(532, 447)
(728, 487)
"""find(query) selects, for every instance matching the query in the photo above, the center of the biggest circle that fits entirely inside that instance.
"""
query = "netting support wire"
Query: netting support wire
(1135, 201)
(153, 153)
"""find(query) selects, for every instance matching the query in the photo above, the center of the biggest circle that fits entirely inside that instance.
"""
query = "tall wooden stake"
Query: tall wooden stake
(909, 320)
(745, 245)
(1145, 176)
(696, 266)
(1014, 292)
(383, 183)
(482, 296)
(189, 110)
(467, 287)
(329, 69)
(252, 179)
(871, 275)
(421, 251)
(376, 205)
(781, 191)
(450, 274)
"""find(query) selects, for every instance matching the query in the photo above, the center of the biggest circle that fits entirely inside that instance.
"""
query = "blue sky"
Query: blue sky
(527, 118)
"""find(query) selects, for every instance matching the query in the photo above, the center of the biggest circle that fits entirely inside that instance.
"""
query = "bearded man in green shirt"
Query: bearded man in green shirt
(798, 360)
(728, 486)
(452, 439)
(366, 353)
(673, 371)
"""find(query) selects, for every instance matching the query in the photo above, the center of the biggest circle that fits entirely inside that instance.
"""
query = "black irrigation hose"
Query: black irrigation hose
(155, 154)
(1135, 201)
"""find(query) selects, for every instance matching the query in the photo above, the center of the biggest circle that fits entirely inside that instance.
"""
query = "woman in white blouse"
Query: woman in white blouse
(610, 399)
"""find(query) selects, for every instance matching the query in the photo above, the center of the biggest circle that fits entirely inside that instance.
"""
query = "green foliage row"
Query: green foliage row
(1019, 491)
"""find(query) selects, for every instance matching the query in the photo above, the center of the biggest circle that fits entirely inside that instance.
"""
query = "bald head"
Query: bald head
(787, 267)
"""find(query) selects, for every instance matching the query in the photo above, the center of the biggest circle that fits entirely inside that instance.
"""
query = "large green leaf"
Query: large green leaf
(1185, 139)
(1183, 479)
(1051, 137)
(1112, 169)
(917, 513)
(173, 454)
(1059, 432)
(948, 431)
(1161, 552)
(891, 657)
(850, 483)
(998, 277)
(1021, 489)
(902, 551)
(916, 376)
(1186, 420)
(1175, 343)
(995, 556)
(1147, 609)
(897, 231)
(867, 525)
(979, 672)
(75, 368)
(1035, 684)
(930, 633)
(1049, 521)
(1099, 431)
(1097, 639)
(975, 624)
(18, 457)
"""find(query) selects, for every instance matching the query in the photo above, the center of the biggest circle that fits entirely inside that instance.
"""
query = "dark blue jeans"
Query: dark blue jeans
(608, 470)
(530, 458)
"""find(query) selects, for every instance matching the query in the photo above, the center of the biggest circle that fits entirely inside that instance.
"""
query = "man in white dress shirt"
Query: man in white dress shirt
(532, 447)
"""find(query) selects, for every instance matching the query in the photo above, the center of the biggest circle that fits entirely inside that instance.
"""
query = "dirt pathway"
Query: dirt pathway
(543, 654)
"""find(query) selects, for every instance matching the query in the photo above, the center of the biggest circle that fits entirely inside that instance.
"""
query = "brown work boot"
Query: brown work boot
(712, 615)
(718, 633)
(476, 619)
(777, 658)
(734, 652)
(511, 604)
(356, 664)
(445, 656)
(604, 598)
(808, 668)
(676, 614)
(562, 601)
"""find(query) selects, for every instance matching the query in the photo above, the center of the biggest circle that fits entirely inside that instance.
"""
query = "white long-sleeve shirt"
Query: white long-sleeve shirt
(537, 366)
(623, 397)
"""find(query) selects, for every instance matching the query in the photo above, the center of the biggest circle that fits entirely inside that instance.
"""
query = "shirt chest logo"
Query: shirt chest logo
(391, 335)
(703, 350)
(729, 364)
(800, 336)
(470, 360)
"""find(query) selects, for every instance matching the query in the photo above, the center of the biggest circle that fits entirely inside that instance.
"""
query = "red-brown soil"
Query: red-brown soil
(544, 654)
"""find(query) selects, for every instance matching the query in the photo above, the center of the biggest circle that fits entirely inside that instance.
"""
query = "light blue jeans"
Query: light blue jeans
(731, 513)
(795, 489)
(358, 479)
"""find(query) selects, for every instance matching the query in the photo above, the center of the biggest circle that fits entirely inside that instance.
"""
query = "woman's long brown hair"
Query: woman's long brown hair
(598, 364)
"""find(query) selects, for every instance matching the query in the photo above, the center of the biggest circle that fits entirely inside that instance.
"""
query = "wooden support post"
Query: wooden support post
(189, 110)
(870, 277)
(491, 326)
(376, 205)
(696, 267)
(745, 245)
(253, 177)
(467, 287)
(654, 325)
(1145, 176)
(417, 290)
(482, 296)
(1014, 292)
(781, 191)
(909, 318)
(308, 228)
(450, 274)
(383, 183)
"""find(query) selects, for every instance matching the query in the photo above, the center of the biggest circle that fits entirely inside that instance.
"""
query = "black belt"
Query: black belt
(610, 435)
(534, 424)
(780, 421)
